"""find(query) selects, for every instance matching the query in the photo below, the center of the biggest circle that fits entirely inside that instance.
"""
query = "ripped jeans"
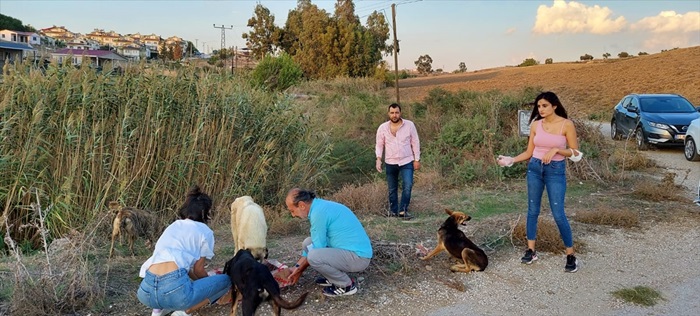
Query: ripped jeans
(551, 176)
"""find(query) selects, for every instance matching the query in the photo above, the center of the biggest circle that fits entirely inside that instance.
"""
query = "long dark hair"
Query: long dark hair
(197, 206)
(554, 100)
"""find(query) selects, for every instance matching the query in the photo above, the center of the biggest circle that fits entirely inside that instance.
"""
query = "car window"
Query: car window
(666, 105)
(626, 102)
(634, 104)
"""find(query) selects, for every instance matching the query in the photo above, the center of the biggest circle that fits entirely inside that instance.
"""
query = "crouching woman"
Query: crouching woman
(174, 277)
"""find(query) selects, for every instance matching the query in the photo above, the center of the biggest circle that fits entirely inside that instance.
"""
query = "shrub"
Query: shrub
(623, 55)
(548, 237)
(276, 73)
(548, 61)
(586, 57)
(529, 62)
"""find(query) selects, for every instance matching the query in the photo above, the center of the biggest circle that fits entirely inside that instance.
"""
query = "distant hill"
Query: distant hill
(592, 87)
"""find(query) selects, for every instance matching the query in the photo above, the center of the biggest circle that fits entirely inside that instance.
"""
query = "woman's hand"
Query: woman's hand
(505, 161)
(548, 156)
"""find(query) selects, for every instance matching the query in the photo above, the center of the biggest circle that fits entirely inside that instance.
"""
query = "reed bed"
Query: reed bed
(84, 138)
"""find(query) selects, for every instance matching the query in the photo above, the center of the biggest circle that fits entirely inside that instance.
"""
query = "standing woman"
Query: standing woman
(174, 277)
(550, 135)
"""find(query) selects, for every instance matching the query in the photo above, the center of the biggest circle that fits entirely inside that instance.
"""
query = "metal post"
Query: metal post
(396, 52)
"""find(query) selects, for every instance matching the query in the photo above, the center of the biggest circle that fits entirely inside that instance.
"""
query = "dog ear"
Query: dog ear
(114, 206)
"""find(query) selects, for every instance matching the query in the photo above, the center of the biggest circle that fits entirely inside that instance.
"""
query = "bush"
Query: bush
(548, 61)
(529, 62)
(276, 73)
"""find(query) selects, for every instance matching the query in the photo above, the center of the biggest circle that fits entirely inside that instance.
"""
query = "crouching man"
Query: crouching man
(338, 242)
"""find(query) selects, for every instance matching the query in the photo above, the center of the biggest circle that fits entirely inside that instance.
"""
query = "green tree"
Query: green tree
(548, 61)
(424, 64)
(586, 57)
(623, 55)
(9, 23)
(529, 62)
(265, 36)
(642, 53)
(462, 67)
(606, 55)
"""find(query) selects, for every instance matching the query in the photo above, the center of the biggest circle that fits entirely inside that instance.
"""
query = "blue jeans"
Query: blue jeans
(553, 177)
(175, 290)
(392, 178)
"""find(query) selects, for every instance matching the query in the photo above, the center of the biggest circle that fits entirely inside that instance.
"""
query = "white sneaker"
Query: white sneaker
(160, 312)
(180, 313)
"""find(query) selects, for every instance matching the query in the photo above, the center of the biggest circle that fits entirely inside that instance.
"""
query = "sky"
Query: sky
(482, 34)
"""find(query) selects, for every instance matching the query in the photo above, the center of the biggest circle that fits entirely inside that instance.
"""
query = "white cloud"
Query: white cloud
(669, 29)
(511, 31)
(669, 21)
(574, 17)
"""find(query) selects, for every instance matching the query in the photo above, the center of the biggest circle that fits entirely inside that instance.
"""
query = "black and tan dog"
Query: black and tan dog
(253, 282)
(452, 239)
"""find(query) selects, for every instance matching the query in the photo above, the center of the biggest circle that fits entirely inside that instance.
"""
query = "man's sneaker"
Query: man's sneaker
(571, 264)
(323, 282)
(529, 257)
(180, 313)
(340, 291)
(405, 215)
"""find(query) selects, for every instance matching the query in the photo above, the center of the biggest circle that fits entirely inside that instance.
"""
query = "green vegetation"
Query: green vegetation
(276, 73)
(10, 23)
(586, 57)
(529, 62)
(324, 46)
(424, 64)
(641, 295)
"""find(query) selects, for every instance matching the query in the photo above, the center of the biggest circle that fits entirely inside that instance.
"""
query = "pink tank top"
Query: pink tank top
(544, 142)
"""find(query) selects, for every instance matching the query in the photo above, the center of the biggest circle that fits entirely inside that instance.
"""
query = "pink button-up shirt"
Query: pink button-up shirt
(400, 149)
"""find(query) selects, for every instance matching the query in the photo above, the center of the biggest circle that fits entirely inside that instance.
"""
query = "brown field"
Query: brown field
(584, 87)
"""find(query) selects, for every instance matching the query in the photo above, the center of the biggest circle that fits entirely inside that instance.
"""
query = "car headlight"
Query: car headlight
(659, 125)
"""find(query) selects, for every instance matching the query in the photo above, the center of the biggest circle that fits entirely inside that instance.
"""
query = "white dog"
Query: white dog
(248, 227)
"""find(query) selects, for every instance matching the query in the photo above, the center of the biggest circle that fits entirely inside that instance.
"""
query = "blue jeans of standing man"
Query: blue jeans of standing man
(392, 178)
(551, 176)
(175, 290)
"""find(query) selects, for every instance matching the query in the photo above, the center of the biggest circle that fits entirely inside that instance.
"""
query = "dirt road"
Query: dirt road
(672, 159)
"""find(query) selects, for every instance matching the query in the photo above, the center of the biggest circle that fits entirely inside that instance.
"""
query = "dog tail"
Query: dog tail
(289, 305)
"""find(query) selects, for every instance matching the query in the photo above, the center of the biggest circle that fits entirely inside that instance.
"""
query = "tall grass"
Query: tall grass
(143, 138)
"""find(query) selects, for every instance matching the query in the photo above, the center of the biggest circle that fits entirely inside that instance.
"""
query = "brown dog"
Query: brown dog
(133, 223)
(253, 282)
(452, 239)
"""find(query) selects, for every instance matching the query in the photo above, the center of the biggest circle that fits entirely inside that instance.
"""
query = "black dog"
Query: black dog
(253, 281)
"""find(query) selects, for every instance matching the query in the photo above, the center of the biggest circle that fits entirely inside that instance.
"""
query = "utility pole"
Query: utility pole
(396, 51)
(223, 34)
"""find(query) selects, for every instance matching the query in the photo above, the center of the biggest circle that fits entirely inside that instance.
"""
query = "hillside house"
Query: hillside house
(30, 38)
(97, 58)
(13, 51)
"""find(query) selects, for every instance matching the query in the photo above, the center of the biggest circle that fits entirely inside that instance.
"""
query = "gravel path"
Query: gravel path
(662, 257)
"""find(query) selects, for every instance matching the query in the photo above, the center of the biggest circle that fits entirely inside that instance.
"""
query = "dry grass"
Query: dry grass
(365, 199)
(584, 88)
(548, 237)
(664, 190)
(605, 215)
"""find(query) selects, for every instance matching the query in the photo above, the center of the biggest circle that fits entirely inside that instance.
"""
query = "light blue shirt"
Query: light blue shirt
(334, 225)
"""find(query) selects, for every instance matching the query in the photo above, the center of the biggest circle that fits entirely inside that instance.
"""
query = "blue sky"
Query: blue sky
(482, 34)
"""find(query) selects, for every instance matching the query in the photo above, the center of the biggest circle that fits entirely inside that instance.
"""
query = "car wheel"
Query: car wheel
(691, 150)
(614, 134)
(641, 142)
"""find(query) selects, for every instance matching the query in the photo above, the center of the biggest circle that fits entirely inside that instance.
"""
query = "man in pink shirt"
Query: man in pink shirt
(398, 140)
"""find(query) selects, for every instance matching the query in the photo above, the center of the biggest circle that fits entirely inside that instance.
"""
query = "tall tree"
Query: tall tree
(424, 64)
(265, 36)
